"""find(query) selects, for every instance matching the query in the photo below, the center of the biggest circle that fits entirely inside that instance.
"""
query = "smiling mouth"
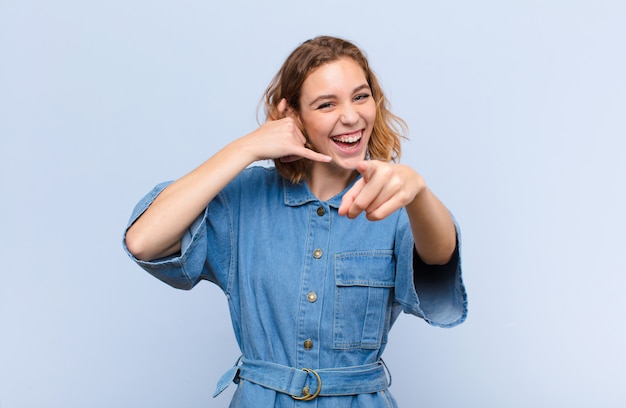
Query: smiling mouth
(348, 141)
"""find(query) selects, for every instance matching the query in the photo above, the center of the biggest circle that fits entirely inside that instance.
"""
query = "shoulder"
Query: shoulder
(252, 180)
(259, 177)
(258, 173)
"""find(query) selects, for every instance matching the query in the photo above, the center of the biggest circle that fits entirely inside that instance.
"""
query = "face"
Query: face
(337, 111)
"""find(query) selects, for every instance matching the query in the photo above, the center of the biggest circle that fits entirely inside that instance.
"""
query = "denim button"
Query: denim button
(311, 297)
(308, 344)
(317, 254)
(321, 211)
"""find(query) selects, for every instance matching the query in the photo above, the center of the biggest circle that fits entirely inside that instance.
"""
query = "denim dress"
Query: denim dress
(312, 295)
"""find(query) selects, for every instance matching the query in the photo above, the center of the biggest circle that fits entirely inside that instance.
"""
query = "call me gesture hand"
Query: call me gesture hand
(281, 138)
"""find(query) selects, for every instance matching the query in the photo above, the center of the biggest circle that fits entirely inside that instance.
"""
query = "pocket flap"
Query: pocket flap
(365, 268)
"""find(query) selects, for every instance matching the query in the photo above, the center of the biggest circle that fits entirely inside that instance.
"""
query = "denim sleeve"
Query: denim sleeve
(185, 269)
(435, 293)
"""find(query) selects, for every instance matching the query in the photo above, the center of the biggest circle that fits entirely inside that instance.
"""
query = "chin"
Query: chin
(348, 164)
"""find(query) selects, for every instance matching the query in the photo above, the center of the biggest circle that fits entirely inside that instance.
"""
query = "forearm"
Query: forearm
(433, 228)
(158, 231)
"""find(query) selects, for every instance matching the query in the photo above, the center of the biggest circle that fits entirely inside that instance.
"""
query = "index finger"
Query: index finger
(349, 197)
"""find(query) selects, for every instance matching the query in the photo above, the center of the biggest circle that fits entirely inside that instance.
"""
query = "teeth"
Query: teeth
(348, 139)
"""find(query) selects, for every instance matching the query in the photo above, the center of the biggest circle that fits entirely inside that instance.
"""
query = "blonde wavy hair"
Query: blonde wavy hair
(389, 129)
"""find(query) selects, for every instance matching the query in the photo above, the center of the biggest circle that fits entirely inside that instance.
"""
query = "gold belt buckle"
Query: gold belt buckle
(306, 396)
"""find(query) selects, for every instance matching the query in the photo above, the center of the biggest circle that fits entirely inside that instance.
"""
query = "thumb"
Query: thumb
(350, 196)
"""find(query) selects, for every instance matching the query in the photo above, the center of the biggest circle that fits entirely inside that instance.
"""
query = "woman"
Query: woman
(319, 254)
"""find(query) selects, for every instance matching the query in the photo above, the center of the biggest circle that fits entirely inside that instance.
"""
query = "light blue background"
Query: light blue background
(517, 113)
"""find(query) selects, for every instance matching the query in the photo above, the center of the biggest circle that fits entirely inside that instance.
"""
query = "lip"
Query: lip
(348, 142)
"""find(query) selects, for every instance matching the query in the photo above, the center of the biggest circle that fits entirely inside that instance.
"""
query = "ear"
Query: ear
(279, 111)
(295, 115)
(290, 112)
(272, 114)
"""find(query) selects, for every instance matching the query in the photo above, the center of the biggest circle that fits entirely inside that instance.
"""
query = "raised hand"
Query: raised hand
(383, 189)
(281, 138)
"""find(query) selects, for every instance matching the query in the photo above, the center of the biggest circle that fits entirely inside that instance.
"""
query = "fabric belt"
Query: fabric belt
(307, 384)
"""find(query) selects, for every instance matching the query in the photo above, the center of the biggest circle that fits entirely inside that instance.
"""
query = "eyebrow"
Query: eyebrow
(331, 96)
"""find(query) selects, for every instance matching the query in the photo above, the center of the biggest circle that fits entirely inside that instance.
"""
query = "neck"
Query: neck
(326, 182)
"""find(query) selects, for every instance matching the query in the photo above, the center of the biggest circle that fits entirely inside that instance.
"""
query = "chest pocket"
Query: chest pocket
(364, 283)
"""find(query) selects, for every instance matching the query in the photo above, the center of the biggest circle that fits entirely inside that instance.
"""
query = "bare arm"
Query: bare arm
(158, 231)
(432, 226)
(387, 187)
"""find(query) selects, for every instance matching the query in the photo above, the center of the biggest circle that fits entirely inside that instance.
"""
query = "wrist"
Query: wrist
(245, 147)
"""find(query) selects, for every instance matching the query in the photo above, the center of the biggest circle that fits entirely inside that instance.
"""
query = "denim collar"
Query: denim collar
(299, 194)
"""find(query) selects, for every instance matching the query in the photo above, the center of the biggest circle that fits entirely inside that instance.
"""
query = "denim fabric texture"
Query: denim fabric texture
(307, 288)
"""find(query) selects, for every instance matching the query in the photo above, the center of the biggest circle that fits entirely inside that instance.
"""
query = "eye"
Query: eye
(325, 105)
(362, 97)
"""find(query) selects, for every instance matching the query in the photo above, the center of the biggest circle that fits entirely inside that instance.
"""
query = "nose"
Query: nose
(350, 115)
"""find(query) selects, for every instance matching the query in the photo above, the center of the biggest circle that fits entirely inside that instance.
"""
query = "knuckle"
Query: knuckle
(404, 197)
(387, 171)
(359, 203)
(372, 216)
(395, 183)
